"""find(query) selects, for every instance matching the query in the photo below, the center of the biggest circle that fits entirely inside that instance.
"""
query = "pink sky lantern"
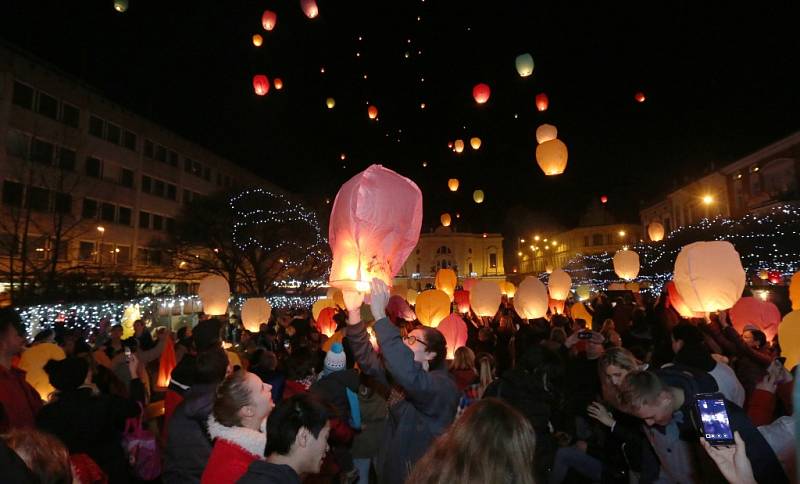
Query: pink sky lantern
(542, 102)
(260, 84)
(398, 308)
(468, 284)
(374, 225)
(485, 298)
(676, 302)
(269, 19)
(481, 93)
(310, 8)
(454, 330)
(461, 299)
(762, 314)
(325, 323)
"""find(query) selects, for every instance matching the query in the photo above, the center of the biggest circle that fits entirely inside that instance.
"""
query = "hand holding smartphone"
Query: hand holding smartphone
(714, 422)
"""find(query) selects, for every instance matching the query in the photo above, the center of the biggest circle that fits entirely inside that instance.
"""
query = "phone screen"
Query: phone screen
(714, 420)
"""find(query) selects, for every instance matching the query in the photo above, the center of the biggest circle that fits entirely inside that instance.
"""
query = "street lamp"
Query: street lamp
(708, 199)
(102, 231)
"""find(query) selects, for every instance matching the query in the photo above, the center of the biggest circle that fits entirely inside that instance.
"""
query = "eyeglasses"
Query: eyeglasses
(411, 339)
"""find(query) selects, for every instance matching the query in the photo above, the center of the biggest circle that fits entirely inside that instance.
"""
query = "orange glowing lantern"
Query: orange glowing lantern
(530, 301)
(214, 293)
(255, 310)
(258, 40)
(481, 93)
(552, 157)
(542, 102)
(751, 310)
(794, 291)
(676, 302)
(475, 142)
(269, 19)
(485, 298)
(452, 184)
(459, 146)
(310, 8)
(372, 112)
(461, 298)
(656, 231)
(507, 289)
(454, 330)
(278, 83)
(468, 284)
(317, 307)
(325, 322)
(559, 284)
(478, 196)
(446, 281)
(546, 132)
(166, 363)
(432, 306)
(639, 96)
(261, 84)
(445, 219)
(789, 336)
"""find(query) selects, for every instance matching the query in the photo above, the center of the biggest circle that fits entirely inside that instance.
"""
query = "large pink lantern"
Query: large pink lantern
(269, 19)
(310, 8)
(374, 225)
(485, 298)
(398, 308)
(454, 330)
(676, 302)
(481, 93)
(468, 284)
(762, 314)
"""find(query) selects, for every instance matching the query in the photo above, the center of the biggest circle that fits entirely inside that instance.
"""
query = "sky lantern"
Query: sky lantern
(775, 276)
(255, 310)
(542, 102)
(459, 146)
(656, 231)
(374, 225)
(166, 363)
(336, 294)
(709, 276)
(789, 336)
(507, 288)
(269, 19)
(261, 84)
(398, 308)
(481, 93)
(468, 284)
(552, 157)
(372, 112)
(320, 304)
(450, 145)
(452, 184)
(579, 311)
(626, 264)
(310, 8)
(214, 293)
(411, 296)
(475, 142)
(676, 302)
(583, 292)
(121, 6)
(763, 274)
(330, 102)
(446, 281)
(546, 132)
(477, 195)
(432, 306)
(485, 298)
(278, 82)
(258, 40)
(325, 322)
(33, 360)
(530, 300)
(794, 291)
(559, 284)
(454, 330)
(752, 310)
(639, 96)
(524, 64)
(461, 298)
(445, 219)
(603, 199)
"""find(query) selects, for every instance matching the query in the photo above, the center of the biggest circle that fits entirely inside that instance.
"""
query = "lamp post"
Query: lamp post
(707, 201)
(102, 231)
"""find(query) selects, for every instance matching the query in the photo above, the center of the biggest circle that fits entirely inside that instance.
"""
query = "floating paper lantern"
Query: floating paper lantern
(656, 231)
(524, 64)
(461, 298)
(411, 296)
(709, 276)
(33, 360)
(542, 102)
(261, 84)
(481, 93)
(559, 284)
(459, 146)
(321, 304)
(583, 292)
(675, 301)
(374, 225)
(255, 310)
(336, 294)
(468, 284)
(763, 274)
(454, 330)
(310, 8)
(507, 289)
(214, 293)
(546, 132)
(432, 307)
(278, 83)
(579, 311)
(445, 219)
(121, 6)
(751, 310)
(556, 306)
(372, 112)
(477, 195)
(639, 96)
(552, 157)
(269, 19)
(330, 102)
(774, 277)
(789, 336)
(166, 363)
(325, 322)
(626, 264)
(398, 308)
(452, 184)
(530, 300)
(794, 291)
(475, 142)
(603, 199)
(446, 281)
(485, 298)
(258, 40)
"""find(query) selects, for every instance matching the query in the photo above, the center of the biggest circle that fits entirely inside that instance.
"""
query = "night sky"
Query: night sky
(720, 82)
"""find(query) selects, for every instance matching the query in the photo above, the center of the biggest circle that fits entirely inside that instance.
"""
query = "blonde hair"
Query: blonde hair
(619, 357)
(486, 368)
(463, 359)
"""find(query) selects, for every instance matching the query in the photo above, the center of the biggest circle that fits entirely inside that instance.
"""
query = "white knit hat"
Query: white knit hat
(335, 359)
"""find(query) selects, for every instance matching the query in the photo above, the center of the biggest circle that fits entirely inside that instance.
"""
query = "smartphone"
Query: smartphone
(714, 423)
(585, 335)
(127, 353)
(287, 344)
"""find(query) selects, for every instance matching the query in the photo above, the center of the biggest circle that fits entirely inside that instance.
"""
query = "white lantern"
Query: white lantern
(255, 310)
(485, 298)
(530, 301)
(626, 264)
(559, 285)
(524, 65)
(214, 292)
(546, 132)
(656, 231)
(709, 276)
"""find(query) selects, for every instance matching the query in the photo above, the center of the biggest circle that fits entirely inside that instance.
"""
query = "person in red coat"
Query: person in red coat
(238, 426)
(19, 401)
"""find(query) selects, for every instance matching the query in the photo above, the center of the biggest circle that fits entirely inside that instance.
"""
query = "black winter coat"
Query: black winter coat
(188, 443)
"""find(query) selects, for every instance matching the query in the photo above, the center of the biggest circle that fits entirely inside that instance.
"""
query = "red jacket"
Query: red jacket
(235, 448)
(19, 402)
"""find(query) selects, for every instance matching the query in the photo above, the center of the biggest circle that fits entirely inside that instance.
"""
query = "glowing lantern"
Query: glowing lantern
(336, 294)
(33, 360)
(446, 281)
(524, 64)
(548, 268)
(751, 310)
(789, 336)
(374, 225)
(709, 276)
(121, 6)
(325, 322)
(398, 307)
(309, 8)
(542, 102)
(475, 142)
(452, 184)
(432, 307)
(676, 302)
(639, 96)
(507, 289)
(261, 84)
(411, 296)
(530, 301)
(445, 219)
(454, 330)
(559, 284)
(485, 298)
(269, 19)
(131, 314)
(763, 274)
(255, 310)
(459, 146)
(468, 284)
(552, 157)
(794, 291)
(372, 112)
(775, 277)
(321, 304)
(330, 102)
(626, 264)
(481, 93)
(214, 293)
(166, 363)
(546, 132)
(579, 311)
(461, 298)
(258, 40)
(278, 83)
(656, 231)
(477, 195)
(583, 292)
(556, 306)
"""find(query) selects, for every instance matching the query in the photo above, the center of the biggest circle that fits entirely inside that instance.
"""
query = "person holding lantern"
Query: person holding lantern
(429, 396)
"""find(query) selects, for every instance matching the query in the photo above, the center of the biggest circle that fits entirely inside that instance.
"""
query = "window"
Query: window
(70, 115)
(124, 216)
(172, 191)
(48, 106)
(126, 178)
(37, 247)
(129, 140)
(187, 165)
(158, 222)
(17, 144)
(147, 183)
(161, 154)
(493, 260)
(38, 199)
(66, 159)
(113, 133)
(197, 168)
(158, 188)
(123, 254)
(23, 95)
(42, 151)
(187, 197)
(207, 173)
(86, 251)
(141, 256)
(173, 158)
(94, 167)
(95, 126)
(597, 239)
(144, 219)
(170, 224)
(9, 244)
(89, 210)
(12, 193)
(63, 203)
(148, 148)
(107, 212)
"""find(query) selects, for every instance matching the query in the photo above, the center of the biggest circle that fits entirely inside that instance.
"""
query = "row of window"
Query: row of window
(100, 128)
(36, 247)
(104, 253)
(24, 146)
(158, 152)
(27, 97)
(159, 188)
(34, 198)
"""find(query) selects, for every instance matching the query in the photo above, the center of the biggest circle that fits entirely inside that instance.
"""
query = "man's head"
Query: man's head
(12, 333)
(243, 400)
(298, 430)
(138, 327)
(212, 365)
(644, 395)
(115, 333)
(754, 338)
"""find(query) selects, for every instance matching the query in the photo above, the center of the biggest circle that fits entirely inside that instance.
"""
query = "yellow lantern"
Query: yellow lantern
(530, 300)
(626, 264)
(789, 336)
(794, 291)
(656, 231)
(546, 132)
(485, 298)
(552, 157)
(579, 311)
(583, 292)
(709, 276)
(452, 184)
(336, 294)
(477, 195)
(330, 102)
(121, 6)
(446, 281)
(507, 288)
(459, 145)
(411, 296)
(214, 293)
(258, 40)
(432, 306)
(548, 268)
(763, 274)
(322, 304)
(33, 360)
(445, 219)
(559, 284)
(255, 310)
(475, 142)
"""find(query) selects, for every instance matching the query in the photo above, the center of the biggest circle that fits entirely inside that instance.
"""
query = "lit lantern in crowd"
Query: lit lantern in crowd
(33, 361)
(675, 301)
(775, 277)
(763, 274)
(446, 281)
(556, 306)
(374, 225)
(330, 102)
(278, 83)
(398, 308)
(542, 102)
(604, 199)
(325, 322)
(546, 132)
(121, 6)
(459, 146)
(481, 93)
(559, 284)
(524, 64)
(477, 195)
(656, 231)
(709, 276)
(639, 96)
(255, 310)
(789, 336)
(751, 310)
(794, 291)
(432, 306)
(166, 363)
(310, 8)
(468, 284)
(214, 293)
(485, 298)
(552, 157)
(372, 112)
(336, 294)
(445, 219)
(411, 296)
(579, 311)
(507, 289)
(548, 268)
(269, 19)
(530, 301)
(626, 264)
(321, 304)
(454, 330)
(461, 298)
(261, 84)
(452, 184)
(475, 142)
(583, 292)
(258, 40)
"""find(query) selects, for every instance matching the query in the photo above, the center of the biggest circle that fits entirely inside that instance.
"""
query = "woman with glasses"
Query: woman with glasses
(424, 397)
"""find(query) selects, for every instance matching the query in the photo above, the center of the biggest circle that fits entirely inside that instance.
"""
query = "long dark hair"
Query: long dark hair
(436, 344)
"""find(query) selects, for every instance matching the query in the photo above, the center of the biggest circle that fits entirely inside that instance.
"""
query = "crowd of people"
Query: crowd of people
(551, 400)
